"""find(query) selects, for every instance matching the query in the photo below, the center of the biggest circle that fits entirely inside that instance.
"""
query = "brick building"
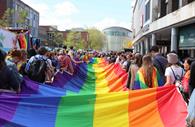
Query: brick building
(46, 34)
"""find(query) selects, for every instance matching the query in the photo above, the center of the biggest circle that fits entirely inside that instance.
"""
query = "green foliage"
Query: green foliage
(22, 17)
(5, 20)
(58, 38)
(75, 39)
(96, 39)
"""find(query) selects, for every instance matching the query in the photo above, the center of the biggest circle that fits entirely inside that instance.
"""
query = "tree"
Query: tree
(96, 39)
(6, 20)
(21, 19)
(75, 39)
(58, 38)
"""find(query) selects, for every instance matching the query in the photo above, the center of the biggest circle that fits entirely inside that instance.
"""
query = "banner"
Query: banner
(95, 96)
(7, 39)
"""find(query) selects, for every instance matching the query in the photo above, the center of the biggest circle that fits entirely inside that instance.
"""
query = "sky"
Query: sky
(67, 14)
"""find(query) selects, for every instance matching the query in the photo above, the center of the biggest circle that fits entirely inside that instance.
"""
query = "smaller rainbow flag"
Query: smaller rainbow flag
(24, 42)
(140, 82)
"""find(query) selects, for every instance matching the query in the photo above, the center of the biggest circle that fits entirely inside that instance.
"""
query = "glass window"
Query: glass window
(147, 11)
(16, 7)
(187, 37)
(117, 33)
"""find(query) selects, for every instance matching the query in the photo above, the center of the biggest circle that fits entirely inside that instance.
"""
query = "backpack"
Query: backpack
(37, 70)
(178, 78)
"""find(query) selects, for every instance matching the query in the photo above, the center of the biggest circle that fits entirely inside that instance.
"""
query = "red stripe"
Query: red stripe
(171, 106)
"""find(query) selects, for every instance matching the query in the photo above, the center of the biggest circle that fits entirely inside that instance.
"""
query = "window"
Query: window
(147, 11)
(180, 3)
(50, 36)
(16, 7)
(167, 7)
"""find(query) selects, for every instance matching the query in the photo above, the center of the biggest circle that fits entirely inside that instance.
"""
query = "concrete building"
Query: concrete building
(170, 24)
(116, 38)
(31, 21)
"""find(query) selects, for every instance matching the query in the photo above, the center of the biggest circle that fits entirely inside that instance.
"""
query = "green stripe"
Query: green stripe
(95, 61)
(138, 78)
(77, 109)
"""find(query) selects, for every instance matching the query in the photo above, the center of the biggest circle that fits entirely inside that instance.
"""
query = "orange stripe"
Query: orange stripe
(143, 109)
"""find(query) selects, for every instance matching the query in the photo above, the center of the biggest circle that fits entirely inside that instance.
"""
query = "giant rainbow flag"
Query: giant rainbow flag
(95, 96)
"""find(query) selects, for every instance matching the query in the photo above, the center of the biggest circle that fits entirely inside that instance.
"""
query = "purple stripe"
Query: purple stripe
(9, 101)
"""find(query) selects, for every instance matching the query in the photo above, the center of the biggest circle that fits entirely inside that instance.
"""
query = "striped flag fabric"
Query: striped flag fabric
(95, 96)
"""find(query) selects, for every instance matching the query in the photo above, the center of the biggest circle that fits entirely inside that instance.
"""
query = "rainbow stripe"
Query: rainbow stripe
(24, 41)
(95, 96)
(140, 82)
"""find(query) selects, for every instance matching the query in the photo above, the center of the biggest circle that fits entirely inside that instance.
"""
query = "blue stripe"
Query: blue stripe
(40, 108)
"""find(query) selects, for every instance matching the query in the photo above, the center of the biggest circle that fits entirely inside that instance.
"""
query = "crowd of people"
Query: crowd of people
(154, 70)
(39, 65)
(148, 71)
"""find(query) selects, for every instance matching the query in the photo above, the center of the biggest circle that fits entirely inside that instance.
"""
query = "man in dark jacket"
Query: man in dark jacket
(159, 61)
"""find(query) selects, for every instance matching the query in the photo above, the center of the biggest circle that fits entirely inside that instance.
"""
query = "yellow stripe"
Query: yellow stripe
(111, 109)
(101, 82)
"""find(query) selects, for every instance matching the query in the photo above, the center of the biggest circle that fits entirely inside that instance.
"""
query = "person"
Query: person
(65, 63)
(185, 80)
(22, 62)
(190, 119)
(65, 47)
(123, 62)
(147, 76)
(174, 72)
(30, 53)
(129, 59)
(71, 52)
(192, 79)
(71, 55)
(118, 58)
(15, 57)
(13, 61)
(134, 67)
(159, 61)
(42, 65)
(8, 79)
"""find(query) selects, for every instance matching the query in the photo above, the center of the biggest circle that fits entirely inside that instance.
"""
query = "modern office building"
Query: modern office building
(31, 21)
(116, 38)
(170, 24)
